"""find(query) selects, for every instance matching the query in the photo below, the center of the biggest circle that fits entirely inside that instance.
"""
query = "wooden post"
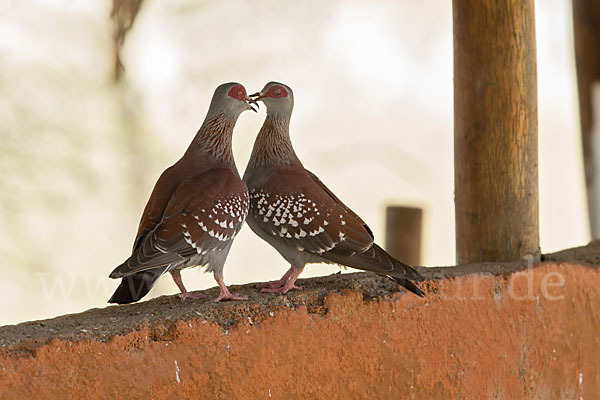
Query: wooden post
(403, 233)
(586, 24)
(495, 130)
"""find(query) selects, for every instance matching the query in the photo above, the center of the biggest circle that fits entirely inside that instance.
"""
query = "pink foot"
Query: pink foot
(229, 296)
(184, 293)
(279, 283)
(225, 293)
(290, 282)
(191, 295)
(282, 289)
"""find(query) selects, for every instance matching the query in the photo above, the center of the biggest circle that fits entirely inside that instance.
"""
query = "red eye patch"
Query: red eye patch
(237, 92)
(277, 91)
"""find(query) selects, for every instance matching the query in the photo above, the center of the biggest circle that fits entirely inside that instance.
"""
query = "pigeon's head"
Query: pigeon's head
(231, 98)
(278, 98)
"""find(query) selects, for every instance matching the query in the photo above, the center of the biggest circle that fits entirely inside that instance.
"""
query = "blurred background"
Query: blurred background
(83, 140)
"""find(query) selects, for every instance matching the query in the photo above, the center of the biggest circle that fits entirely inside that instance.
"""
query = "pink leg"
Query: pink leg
(289, 285)
(225, 293)
(184, 293)
(279, 283)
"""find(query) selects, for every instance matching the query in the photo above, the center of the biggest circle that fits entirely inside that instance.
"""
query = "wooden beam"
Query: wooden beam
(586, 24)
(403, 233)
(495, 130)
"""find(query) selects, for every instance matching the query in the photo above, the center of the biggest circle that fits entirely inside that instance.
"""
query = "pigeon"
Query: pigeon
(293, 210)
(196, 208)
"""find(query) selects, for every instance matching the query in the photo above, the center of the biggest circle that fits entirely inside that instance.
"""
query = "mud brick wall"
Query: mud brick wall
(502, 331)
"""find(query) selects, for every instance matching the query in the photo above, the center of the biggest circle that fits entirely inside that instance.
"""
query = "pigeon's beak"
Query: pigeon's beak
(250, 102)
(258, 95)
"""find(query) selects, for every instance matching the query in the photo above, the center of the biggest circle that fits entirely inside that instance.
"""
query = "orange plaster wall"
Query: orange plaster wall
(472, 337)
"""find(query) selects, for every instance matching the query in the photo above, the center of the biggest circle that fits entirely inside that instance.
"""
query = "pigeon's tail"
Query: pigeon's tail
(377, 260)
(136, 286)
(408, 285)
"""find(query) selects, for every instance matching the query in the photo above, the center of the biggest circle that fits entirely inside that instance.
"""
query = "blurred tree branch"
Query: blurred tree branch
(123, 15)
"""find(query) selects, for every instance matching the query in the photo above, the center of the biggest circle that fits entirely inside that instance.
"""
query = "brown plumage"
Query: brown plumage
(296, 213)
(197, 207)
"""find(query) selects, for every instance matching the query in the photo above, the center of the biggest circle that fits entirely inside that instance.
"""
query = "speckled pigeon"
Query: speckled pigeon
(197, 207)
(293, 211)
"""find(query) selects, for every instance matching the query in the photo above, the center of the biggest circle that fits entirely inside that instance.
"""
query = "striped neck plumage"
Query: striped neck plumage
(214, 139)
(273, 145)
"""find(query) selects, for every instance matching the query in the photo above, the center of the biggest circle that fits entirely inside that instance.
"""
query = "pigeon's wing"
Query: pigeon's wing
(157, 204)
(298, 209)
(375, 256)
(203, 214)
(293, 207)
(341, 205)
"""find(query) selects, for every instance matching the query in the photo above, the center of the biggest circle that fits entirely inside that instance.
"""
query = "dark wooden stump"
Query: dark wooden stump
(403, 233)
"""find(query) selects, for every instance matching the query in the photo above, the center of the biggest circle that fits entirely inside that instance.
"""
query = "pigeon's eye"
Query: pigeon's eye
(277, 91)
(237, 92)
